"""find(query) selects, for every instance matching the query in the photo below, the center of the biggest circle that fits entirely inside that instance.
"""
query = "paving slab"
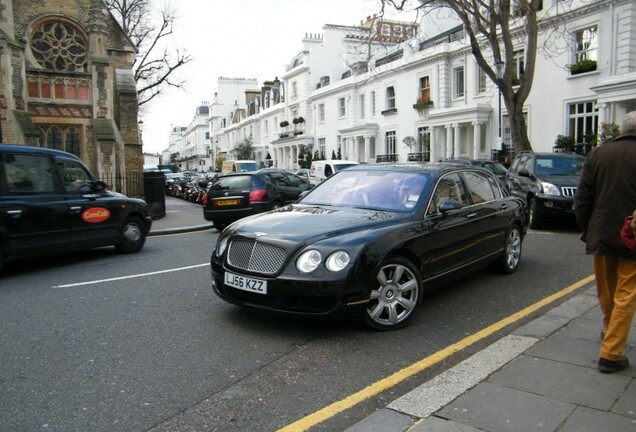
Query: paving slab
(495, 408)
(626, 405)
(561, 381)
(560, 347)
(384, 420)
(435, 424)
(589, 420)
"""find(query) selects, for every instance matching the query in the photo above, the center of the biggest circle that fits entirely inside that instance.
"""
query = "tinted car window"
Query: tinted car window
(29, 174)
(74, 176)
(450, 187)
(479, 187)
(233, 182)
(558, 166)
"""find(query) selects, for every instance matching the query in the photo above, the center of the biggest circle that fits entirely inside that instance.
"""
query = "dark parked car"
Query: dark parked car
(51, 203)
(235, 196)
(368, 241)
(547, 182)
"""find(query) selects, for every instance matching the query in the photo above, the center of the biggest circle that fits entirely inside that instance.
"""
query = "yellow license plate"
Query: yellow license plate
(228, 202)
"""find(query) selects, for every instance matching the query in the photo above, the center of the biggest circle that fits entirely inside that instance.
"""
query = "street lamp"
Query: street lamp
(499, 73)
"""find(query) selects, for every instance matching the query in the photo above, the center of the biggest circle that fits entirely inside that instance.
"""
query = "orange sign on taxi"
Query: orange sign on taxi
(95, 214)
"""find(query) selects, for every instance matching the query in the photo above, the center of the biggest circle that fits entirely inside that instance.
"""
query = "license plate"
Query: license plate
(244, 283)
(227, 202)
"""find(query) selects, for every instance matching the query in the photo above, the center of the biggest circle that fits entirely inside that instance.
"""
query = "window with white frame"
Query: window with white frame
(482, 80)
(398, 31)
(391, 142)
(518, 66)
(582, 121)
(294, 90)
(342, 110)
(386, 30)
(322, 147)
(458, 82)
(373, 103)
(586, 44)
(424, 143)
(361, 106)
(390, 97)
(425, 88)
(321, 112)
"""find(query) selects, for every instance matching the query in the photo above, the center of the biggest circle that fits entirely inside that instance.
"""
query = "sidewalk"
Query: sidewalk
(181, 216)
(541, 377)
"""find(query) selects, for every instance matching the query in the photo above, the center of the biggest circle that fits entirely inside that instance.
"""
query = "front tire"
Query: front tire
(509, 260)
(396, 295)
(133, 236)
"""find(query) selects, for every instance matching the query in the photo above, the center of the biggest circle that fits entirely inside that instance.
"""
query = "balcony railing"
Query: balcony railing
(393, 157)
(419, 157)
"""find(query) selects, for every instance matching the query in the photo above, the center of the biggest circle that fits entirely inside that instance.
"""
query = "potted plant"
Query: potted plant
(421, 105)
(284, 124)
(297, 121)
(582, 67)
(563, 143)
(409, 141)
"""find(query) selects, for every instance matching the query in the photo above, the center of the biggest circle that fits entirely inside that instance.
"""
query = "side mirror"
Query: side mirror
(524, 172)
(99, 186)
(449, 205)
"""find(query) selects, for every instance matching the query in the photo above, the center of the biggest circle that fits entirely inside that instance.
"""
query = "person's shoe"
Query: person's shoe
(610, 366)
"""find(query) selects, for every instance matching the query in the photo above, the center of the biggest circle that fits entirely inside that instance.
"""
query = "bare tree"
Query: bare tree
(156, 65)
(496, 30)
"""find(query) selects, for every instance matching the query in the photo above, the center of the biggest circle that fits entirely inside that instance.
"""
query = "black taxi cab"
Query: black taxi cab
(50, 202)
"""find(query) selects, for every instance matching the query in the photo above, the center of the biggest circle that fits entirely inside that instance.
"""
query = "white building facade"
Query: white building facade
(363, 110)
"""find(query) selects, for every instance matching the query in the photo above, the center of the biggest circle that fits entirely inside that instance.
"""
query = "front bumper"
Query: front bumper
(307, 296)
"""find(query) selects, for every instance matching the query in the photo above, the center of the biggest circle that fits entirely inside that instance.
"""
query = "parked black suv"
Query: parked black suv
(548, 182)
(235, 196)
(50, 202)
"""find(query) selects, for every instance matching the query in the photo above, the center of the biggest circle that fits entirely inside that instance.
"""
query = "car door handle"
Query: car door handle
(504, 206)
(14, 213)
(471, 215)
(76, 209)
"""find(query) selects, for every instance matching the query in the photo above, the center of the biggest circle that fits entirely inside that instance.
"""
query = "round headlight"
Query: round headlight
(309, 261)
(337, 261)
(220, 246)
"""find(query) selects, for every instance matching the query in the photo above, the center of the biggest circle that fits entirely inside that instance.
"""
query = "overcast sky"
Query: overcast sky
(241, 39)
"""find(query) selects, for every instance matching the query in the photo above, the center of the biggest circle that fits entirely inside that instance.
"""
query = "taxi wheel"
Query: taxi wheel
(133, 236)
(395, 296)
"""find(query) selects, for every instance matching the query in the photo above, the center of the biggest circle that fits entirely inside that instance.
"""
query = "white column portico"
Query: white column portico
(457, 140)
(477, 140)
(449, 142)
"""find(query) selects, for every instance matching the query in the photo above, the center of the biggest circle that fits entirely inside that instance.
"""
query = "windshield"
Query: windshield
(246, 166)
(561, 166)
(340, 167)
(378, 190)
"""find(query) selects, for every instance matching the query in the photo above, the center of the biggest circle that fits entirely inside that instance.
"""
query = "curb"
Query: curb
(165, 231)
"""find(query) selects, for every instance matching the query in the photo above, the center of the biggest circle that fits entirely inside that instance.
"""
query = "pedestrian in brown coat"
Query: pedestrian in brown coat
(605, 196)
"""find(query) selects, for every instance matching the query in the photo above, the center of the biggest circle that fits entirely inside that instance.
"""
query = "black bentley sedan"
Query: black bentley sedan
(369, 241)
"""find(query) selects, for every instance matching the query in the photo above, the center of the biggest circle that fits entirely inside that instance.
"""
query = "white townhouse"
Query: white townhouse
(228, 106)
(190, 146)
(432, 92)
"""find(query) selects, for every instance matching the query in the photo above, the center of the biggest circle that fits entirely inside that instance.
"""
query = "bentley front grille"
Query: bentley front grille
(255, 256)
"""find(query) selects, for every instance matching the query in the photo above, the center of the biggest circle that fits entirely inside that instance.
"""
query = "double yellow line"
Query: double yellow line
(399, 376)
